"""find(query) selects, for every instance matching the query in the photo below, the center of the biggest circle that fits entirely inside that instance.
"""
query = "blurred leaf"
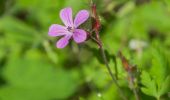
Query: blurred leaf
(50, 52)
(43, 4)
(2, 51)
(41, 12)
(159, 72)
(97, 54)
(17, 30)
(126, 9)
(141, 20)
(33, 78)
(159, 69)
(144, 20)
(77, 5)
(165, 86)
(150, 87)
(81, 98)
(2, 7)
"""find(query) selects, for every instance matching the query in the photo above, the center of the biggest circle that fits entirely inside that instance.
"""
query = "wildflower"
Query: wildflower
(70, 30)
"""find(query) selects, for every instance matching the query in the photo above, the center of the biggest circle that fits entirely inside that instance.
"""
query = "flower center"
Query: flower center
(70, 29)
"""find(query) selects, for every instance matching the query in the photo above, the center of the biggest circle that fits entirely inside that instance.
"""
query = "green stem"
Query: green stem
(158, 98)
(111, 74)
(108, 68)
(133, 87)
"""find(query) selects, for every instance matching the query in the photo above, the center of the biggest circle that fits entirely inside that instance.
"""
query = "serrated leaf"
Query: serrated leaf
(165, 86)
(156, 81)
(159, 69)
(150, 87)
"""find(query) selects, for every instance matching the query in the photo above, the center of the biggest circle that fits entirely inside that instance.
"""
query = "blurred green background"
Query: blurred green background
(32, 68)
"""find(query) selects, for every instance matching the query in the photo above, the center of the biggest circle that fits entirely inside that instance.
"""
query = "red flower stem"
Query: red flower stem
(95, 40)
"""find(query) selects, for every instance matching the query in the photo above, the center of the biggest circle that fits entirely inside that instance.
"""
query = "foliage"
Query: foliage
(32, 68)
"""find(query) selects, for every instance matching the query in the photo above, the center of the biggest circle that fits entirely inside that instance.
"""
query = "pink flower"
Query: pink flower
(70, 30)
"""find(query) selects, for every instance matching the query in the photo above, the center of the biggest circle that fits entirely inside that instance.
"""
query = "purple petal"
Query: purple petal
(63, 41)
(79, 35)
(57, 30)
(66, 16)
(81, 17)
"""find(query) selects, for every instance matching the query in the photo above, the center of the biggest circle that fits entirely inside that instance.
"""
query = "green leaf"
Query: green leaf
(150, 87)
(98, 55)
(34, 78)
(17, 30)
(165, 86)
(126, 9)
(159, 69)
(156, 80)
(144, 15)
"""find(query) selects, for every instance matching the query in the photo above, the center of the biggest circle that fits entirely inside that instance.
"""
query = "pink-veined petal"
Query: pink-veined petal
(66, 16)
(57, 30)
(63, 41)
(79, 35)
(81, 17)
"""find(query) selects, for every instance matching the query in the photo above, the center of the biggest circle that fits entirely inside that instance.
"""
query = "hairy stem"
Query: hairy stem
(133, 87)
(136, 94)
(111, 74)
(108, 68)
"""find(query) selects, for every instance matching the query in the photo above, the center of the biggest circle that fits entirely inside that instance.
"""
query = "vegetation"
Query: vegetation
(135, 38)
